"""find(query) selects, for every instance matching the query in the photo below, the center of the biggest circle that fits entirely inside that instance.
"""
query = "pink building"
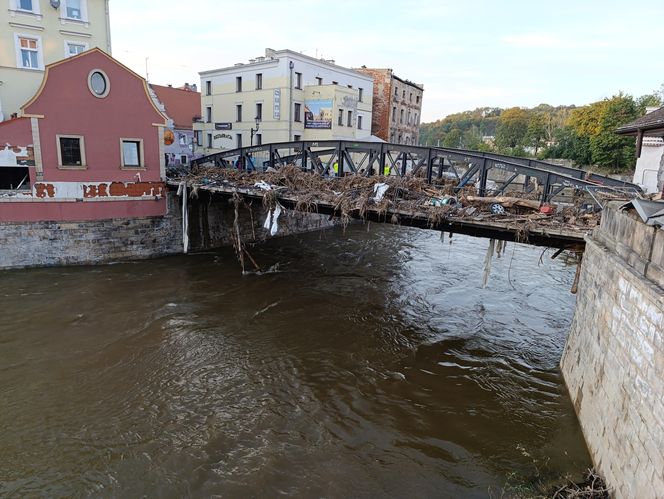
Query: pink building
(88, 146)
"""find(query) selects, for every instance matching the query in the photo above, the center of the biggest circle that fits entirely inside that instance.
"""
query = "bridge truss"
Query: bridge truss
(492, 174)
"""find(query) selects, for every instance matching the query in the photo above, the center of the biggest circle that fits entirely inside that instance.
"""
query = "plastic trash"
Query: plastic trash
(271, 220)
(379, 191)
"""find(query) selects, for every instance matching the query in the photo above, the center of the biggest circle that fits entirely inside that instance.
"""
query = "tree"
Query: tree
(512, 129)
(453, 139)
(536, 133)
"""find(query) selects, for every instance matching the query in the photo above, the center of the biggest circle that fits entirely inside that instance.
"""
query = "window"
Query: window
(238, 112)
(409, 122)
(74, 48)
(319, 80)
(399, 142)
(208, 88)
(415, 121)
(298, 80)
(209, 141)
(394, 114)
(401, 117)
(396, 92)
(182, 139)
(350, 86)
(259, 111)
(238, 84)
(73, 10)
(208, 114)
(259, 81)
(297, 137)
(259, 139)
(98, 83)
(403, 94)
(132, 153)
(199, 138)
(298, 109)
(26, 5)
(340, 121)
(335, 83)
(417, 99)
(71, 151)
(183, 159)
(238, 137)
(360, 92)
(350, 118)
(359, 122)
(410, 97)
(28, 52)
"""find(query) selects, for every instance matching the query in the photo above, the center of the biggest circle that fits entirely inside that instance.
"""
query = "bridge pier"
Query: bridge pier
(211, 218)
(613, 362)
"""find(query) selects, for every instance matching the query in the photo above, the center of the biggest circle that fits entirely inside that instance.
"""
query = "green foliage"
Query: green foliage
(586, 135)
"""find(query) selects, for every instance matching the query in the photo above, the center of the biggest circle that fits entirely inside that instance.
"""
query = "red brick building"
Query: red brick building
(397, 107)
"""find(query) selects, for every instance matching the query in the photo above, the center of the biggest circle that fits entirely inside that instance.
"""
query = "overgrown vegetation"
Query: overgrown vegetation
(584, 135)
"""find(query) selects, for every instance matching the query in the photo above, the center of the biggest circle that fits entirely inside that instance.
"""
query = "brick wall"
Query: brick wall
(613, 361)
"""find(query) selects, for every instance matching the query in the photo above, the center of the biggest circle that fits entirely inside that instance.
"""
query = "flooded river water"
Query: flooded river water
(363, 364)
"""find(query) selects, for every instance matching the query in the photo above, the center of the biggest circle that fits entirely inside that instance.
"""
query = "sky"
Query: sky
(466, 53)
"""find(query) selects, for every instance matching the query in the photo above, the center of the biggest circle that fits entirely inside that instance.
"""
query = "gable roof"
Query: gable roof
(91, 53)
(649, 124)
(182, 106)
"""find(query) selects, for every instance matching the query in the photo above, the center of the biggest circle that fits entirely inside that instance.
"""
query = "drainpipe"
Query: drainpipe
(291, 65)
(108, 29)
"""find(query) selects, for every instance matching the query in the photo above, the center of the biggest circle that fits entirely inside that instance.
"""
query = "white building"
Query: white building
(281, 97)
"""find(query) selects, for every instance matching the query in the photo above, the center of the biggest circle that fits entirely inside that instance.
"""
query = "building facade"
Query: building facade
(281, 97)
(35, 33)
(93, 152)
(649, 132)
(182, 106)
(397, 107)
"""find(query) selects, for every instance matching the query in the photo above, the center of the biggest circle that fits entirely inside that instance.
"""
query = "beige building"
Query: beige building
(281, 97)
(34, 33)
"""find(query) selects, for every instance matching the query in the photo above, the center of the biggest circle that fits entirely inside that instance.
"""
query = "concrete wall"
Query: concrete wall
(613, 361)
(51, 243)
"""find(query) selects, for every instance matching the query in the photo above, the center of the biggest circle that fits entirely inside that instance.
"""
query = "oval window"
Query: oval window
(98, 83)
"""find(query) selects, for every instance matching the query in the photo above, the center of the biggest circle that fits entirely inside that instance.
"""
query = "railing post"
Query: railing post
(271, 156)
(340, 160)
(403, 164)
(483, 177)
(546, 188)
(381, 160)
(430, 161)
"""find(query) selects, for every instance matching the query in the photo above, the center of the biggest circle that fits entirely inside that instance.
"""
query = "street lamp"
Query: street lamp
(255, 131)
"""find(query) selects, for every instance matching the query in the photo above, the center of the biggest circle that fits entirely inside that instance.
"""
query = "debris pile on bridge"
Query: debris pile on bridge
(356, 196)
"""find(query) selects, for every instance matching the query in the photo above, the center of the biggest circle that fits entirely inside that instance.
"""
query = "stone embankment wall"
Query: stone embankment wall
(613, 361)
(39, 244)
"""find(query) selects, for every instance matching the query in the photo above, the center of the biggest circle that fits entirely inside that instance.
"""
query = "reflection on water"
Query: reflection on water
(363, 364)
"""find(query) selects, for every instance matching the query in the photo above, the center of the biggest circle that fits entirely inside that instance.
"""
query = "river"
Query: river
(363, 363)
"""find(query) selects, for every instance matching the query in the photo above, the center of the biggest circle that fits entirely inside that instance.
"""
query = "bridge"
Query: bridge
(497, 179)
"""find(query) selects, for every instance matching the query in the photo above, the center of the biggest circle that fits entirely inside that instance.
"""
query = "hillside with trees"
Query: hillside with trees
(584, 135)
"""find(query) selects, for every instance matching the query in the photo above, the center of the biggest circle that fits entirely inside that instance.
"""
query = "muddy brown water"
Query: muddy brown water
(362, 364)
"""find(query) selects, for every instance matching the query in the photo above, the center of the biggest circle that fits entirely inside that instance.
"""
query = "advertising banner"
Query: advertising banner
(318, 113)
